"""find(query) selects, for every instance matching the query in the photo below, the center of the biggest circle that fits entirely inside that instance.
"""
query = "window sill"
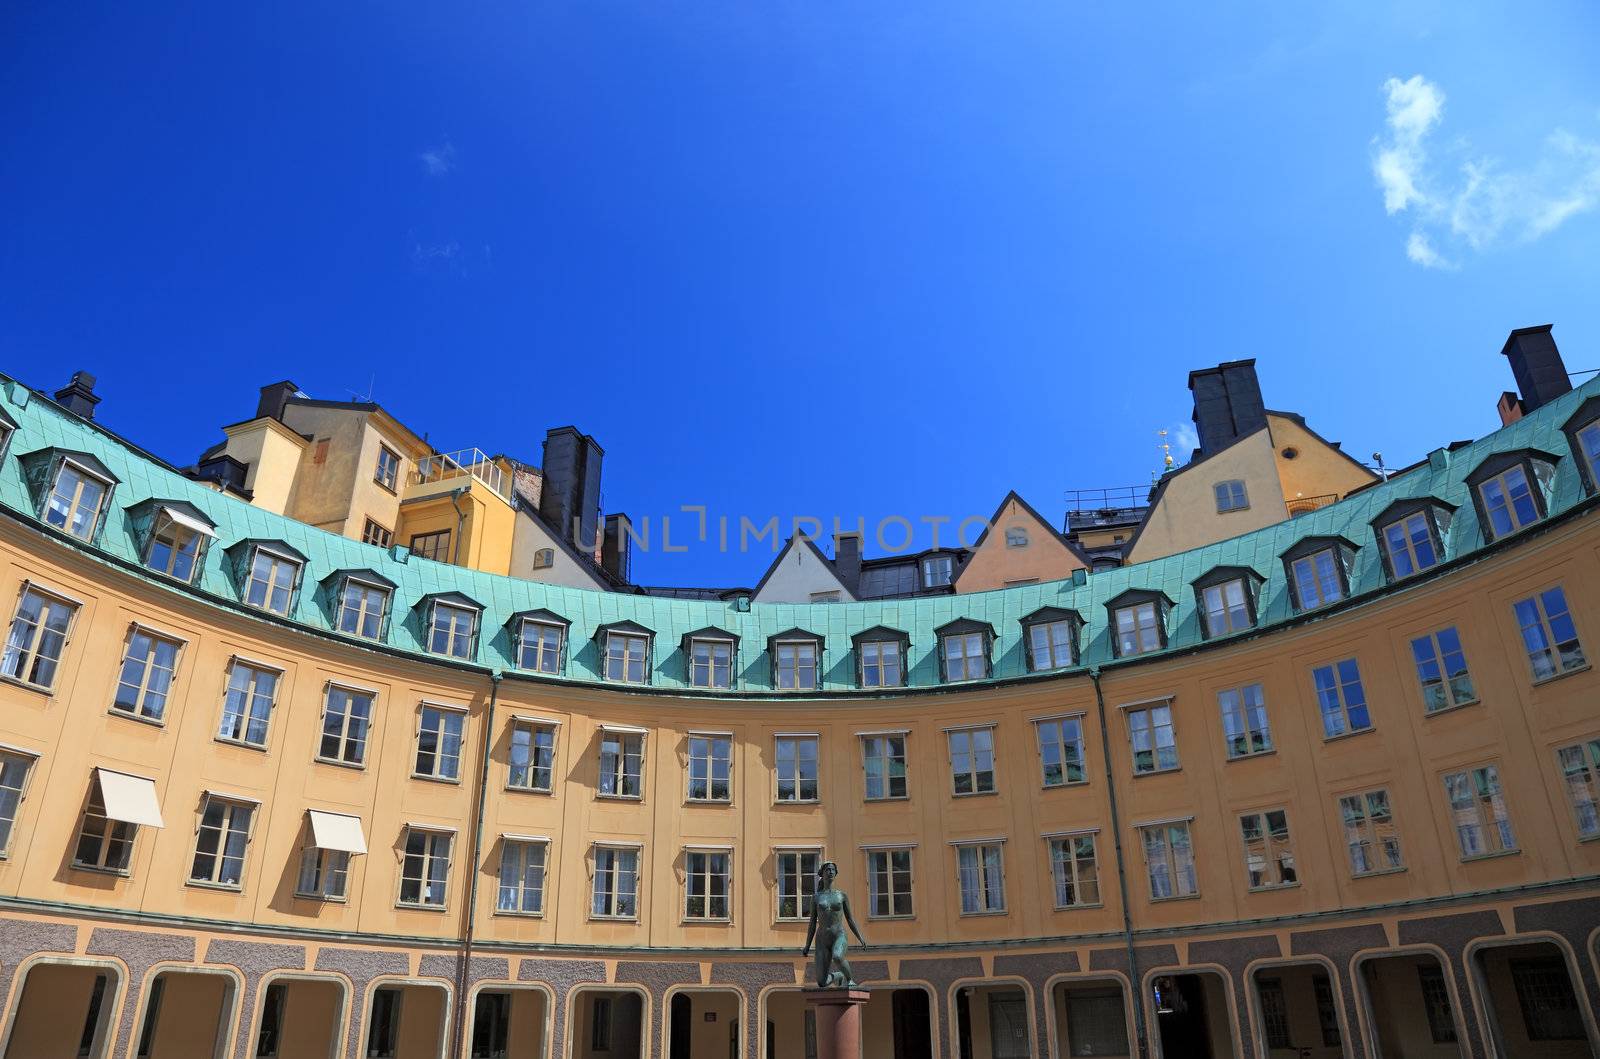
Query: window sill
(240, 743)
(888, 798)
(1452, 708)
(1272, 888)
(1079, 908)
(1496, 855)
(974, 794)
(28, 685)
(121, 873)
(518, 913)
(797, 801)
(356, 766)
(1346, 735)
(984, 912)
(1157, 772)
(385, 486)
(411, 906)
(792, 921)
(324, 899)
(547, 791)
(1068, 785)
(688, 922)
(907, 916)
(1269, 752)
(226, 888)
(612, 919)
(603, 797)
(1176, 897)
(724, 803)
(1377, 872)
(454, 780)
(1537, 683)
(153, 722)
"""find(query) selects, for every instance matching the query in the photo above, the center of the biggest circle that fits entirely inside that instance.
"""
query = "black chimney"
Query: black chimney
(78, 396)
(615, 553)
(847, 560)
(1537, 366)
(1227, 404)
(570, 496)
(274, 398)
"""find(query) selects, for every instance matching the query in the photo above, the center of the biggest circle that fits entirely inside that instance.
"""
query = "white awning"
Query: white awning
(336, 831)
(183, 518)
(130, 799)
(624, 729)
(513, 837)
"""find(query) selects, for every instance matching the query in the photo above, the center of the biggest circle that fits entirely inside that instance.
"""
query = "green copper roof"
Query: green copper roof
(43, 425)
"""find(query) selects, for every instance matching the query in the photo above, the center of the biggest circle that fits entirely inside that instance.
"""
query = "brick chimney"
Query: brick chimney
(78, 395)
(847, 560)
(273, 399)
(1509, 407)
(616, 552)
(1537, 366)
(569, 498)
(1227, 404)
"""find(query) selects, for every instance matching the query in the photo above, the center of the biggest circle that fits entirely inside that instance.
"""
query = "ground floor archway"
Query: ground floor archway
(1193, 1015)
(1531, 998)
(897, 1023)
(606, 1024)
(64, 1010)
(1092, 1017)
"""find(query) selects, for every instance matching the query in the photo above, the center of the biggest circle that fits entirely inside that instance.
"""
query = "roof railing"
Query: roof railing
(1304, 505)
(463, 463)
(1113, 498)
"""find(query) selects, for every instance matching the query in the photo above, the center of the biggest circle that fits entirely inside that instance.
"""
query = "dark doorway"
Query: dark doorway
(912, 1037)
(682, 1011)
(1008, 1025)
(1181, 1015)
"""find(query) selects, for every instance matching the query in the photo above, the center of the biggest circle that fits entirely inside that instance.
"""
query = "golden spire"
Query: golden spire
(1166, 451)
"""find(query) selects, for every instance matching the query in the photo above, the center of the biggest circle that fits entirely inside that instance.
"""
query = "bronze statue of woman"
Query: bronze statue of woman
(830, 914)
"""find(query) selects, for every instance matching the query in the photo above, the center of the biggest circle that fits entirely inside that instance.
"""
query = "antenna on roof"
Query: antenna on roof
(365, 398)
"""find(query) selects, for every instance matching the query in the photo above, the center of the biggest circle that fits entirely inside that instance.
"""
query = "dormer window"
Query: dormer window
(1138, 622)
(363, 606)
(1051, 637)
(541, 640)
(1227, 600)
(72, 489)
(175, 535)
(964, 649)
(938, 571)
(625, 652)
(1318, 571)
(709, 655)
(1583, 435)
(796, 660)
(268, 573)
(881, 657)
(1231, 496)
(1412, 534)
(1016, 537)
(1508, 490)
(451, 625)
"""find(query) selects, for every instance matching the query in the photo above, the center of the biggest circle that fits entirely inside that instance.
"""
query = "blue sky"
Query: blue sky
(790, 258)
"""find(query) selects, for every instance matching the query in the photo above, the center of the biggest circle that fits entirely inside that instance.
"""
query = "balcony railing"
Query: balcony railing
(1114, 498)
(463, 463)
(1304, 505)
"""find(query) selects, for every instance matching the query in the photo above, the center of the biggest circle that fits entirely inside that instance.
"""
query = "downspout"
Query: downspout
(1122, 869)
(464, 963)
(461, 522)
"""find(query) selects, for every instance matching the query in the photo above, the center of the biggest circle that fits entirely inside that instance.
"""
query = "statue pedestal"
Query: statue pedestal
(838, 1015)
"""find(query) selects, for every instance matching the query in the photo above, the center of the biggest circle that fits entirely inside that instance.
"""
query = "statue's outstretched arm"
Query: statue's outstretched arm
(811, 931)
(851, 920)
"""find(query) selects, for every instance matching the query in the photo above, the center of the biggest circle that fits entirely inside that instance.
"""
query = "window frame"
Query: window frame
(798, 738)
(1061, 854)
(428, 855)
(974, 754)
(625, 633)
(619, 774)
(86, 474)
(138, 711)
(1134, 602)
(232, 806)
(614, 895)
(29, 654)
(712, 741)
(247, 714)
(1046, 619)
(708, 854)
(461, 605)
(888, 759)
(1147, 709)
(1061, 721)
(1016, 537)
(327, 867)
(1308, 551)
(391, 481)
(368, 586)
(1171, 861)
(1377, 848)
(533, 726)
(376, 534)
(969, 634)
(1579, 424)
(1435, 515)
(1220, 579)
(1247, 729)
(445, 712)
(1494, 832)
(1339, 687)
(278, 559)
(802, 879)
(162, 522)
(986, 894)
(1536, 469)
(8, 825)
(878, 637)
(1588, 752)
(1272, 846)
(934, 566)
(1227, 504)
(112, 833)
(1552, 647)
(525, 845)
(693, 666)
(436, 546)
(1438, 658)
(795, 640)
(543, 621)
(347, 718)
(890, 873)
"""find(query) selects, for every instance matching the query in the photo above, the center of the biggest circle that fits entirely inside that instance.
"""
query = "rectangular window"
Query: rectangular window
(1588, 443)
(885, 760)
(1317, 580)
(1138, 629)
(711, 663)
(346, 718)
(324, 873)
(426, 869)
(387, 473)
(435, 546)
(627, 658)
(38, 636)
(247, 706)
(1268, 853)
(451, 630)
(966, 656)
(980, 874)
(522, 867)
(103, 843)
(1340, 698)
(1442, 669)
(532, 757)
(1154, 741)
(1096, 1022)
(1436, 1004)
(439, 735)
(1478, 807)
(1074, 871)
(220, 845)
(1244, 720)
(616, 883)
(148, 663)
(972, 760)
(174, 548)
(1227, 608)
(710, 768)
(1549, 1006)
(1051, 645)
(1370, 834)
(1274, 1013)
(795, 665)
(270, 585)
(374, 534)
(882, 664)
(937, 571)
(1409, 545)
(539, 646)
(1060, 750)
(1169, 861)
(75, 501)
(1231, 496)
(706, 885)
(797, 882)
(1508, 502)
(889, 883)
(621, 764)
(1580, 770)
(795, 760)
(1548, 634)
(361, 609)
(13, 775)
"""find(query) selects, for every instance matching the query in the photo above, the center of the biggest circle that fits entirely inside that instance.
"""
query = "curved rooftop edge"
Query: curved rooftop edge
(41, 424)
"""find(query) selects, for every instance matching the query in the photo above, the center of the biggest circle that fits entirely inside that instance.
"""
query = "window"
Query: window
(1244, 720)
(1052, 645)
(1549, 1006)
(219, 849)
(435, 546)
(544, 558)
(797, 882)
(621, 763)
(1074, 871)
(1016, 537)
(362, 607)
(376, 535)
(889, 883)
(1226, 607)
(1155, 746)
(75, 500)
(885, 760)
(966, 656)
(1138, 629)
(937, 571)
(1580, 769)
(451, 630)
(1588, 439)
(1547, 632)
(426, 868)
(247, 706)
(1317, 579)
(1060, 750)
(383, 1032)
(38, 636)
(1442, 669)
(539, 646)
(1231, 496)
(980, 874)
(710, 767)
(1096, 1024)
(832, 595)
(1268, 853)
(616, 883)
(795, 758)
(103, 843)
(439, 733)
(1478, 807)
(13, 776)
(324, 873)
(882, 664)
(387, 473)
(147, 666)
(972, 760)
(1409, 545)
(1369, 833)
(1274, 1013)
(174, 548)
(1436, 1003)
(1340, 698)
(522, 868)
(794, 665)
(532, 757)
(270, 584)
(346, 717)
(710, 663)
(627, 658)
(1169, 860)
(1509, 502)
(706, 884)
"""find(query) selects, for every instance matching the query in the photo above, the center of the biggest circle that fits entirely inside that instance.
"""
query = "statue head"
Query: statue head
(826, 871)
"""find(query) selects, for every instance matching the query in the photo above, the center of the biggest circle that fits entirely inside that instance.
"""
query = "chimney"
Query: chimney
(569, 499)
(274, 398)
(847, 560)
(1536, 365)
(78, 396)
(1227, 404)
(1509, 407)
(617, 550)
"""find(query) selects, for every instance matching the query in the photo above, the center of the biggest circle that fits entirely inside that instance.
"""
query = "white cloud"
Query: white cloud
(437, 161)
(1483, 201)
(1184, 440)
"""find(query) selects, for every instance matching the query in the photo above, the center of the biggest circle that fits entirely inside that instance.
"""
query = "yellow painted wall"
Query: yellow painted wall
(1186, 515)
(483, 523)
(1398, 1009)
(52, 1011)
(190, 1017)
(272, 453)
(311, 1019)
(526, 1039)
(1045, 557)
(422, 1013)
(1317, 469)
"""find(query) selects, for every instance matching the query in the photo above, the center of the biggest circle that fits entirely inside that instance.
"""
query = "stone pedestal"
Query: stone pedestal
(838, 1015)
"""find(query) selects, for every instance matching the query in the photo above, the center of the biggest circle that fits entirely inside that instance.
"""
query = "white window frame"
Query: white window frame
(962, 743)
(426, 857)
(1311, 572)
(251, 701)
(1066, 868)
(614, 894)
(790, 677)
(1552, 651)
(229, 826)
(143, 691)
(447, 717)
(1052, 645)
(533, 727)
(895, 891)
(618, 772)
(1476, 801)
(15, 764)
(1219, 607)
(1016, 537)
(1138, 629)
(1142, 716)
(710, 667)
(871, 659)
(348, 724)
(391, 479)
(938, 571)
(1437, 662)
(1340, 722)
(107, 835)
(1061, 744)
(530, 878)
(327, 869)
(1237, 709)
(453, 613)
(363, 612)
(707, 858)
(1172, 862)
(24, 653)
(888, 758)
(277, 565)
(803, 878)
(73, 505)
(1271, 845)
(990, 899)
(960, 652)
(796, 777)
(541, 650)
(1400, 545)
(702, 755)
(1368, 835)
(1506, 483)
(180, 540)
(617, 663)
(1588, 445)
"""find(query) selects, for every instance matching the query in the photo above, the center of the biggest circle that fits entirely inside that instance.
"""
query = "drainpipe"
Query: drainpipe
(1122, 869)
(461, 521)
(464, 963)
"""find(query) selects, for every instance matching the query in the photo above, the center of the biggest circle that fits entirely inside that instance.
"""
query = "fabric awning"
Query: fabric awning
(336, 831)
(183, 518)
(130, 799)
